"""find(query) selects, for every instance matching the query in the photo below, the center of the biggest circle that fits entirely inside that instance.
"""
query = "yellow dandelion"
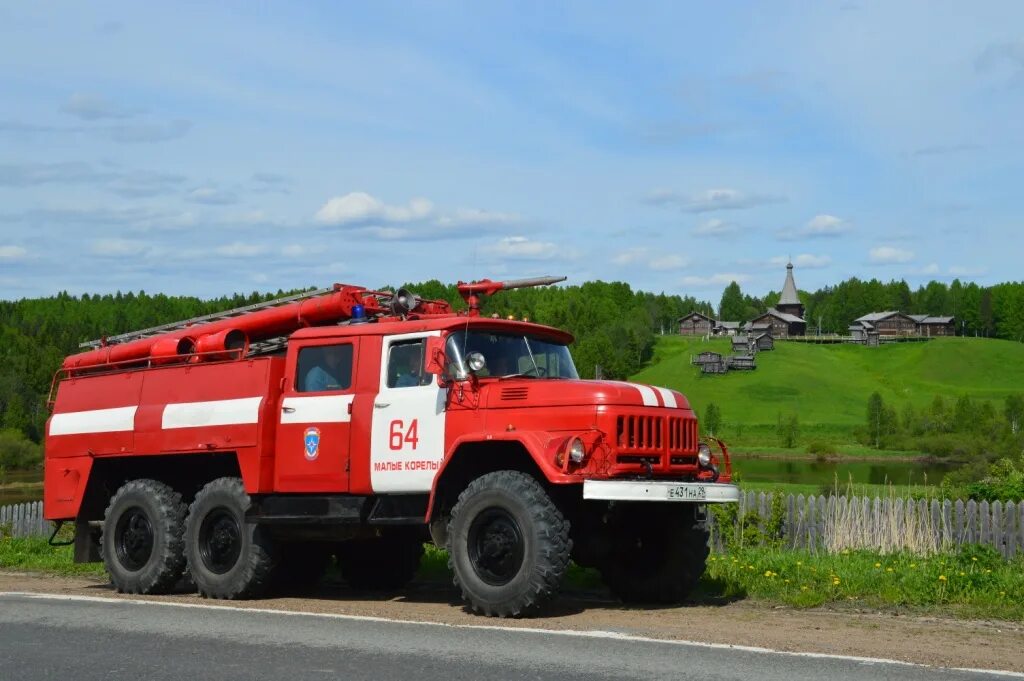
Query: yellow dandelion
(942, 578)
(786, 581)
(974, 558)
(835, 582)
(878, 565)
(987, 571)
(888, 569)
(799, 562)
(803, 588)
(913, 565)
(963, 574)
(768, 573)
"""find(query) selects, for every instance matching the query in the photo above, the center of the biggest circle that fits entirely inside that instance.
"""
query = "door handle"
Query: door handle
(381, 405)
(288, 410)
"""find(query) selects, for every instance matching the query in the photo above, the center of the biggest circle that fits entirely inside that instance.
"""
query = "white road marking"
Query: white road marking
(240, 411)
(317, 409)
(574, 633)
(93, 421)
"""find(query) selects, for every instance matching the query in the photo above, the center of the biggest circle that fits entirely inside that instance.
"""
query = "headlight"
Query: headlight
(704, 455)
(577, 451)
(476, 361)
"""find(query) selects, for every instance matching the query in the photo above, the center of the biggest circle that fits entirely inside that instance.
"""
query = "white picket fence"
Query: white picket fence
(834, 523)
(24, 520)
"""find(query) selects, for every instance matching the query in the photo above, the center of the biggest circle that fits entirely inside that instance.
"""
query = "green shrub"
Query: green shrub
(821, 447)
(17, 452)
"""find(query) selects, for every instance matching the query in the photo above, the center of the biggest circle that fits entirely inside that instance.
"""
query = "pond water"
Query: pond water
(827, 473)
(19, 486)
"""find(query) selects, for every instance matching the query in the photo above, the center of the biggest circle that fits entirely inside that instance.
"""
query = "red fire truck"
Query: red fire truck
(245, 450)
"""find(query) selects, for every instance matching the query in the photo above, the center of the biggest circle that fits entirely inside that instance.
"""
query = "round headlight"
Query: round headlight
(577, 451)
(704, 455)
(476, 361)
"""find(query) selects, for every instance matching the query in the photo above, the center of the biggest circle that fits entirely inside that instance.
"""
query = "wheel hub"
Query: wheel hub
(133, 539)
(496, 546)
(220, 541)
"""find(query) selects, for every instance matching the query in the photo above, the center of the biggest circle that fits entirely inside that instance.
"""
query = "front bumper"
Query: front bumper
(661, 490)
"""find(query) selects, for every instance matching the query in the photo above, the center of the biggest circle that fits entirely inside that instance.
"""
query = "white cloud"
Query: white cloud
(630, 256)
(211, 196)
(240, 249)
(820, 226)
(805, 261)
(932, 268)
(720, 279)
(959, 271)
(12, 252)
(95, 107)
(644, 258)
(293, 251)
(715, 227)
(463, 217)
(521, 248)
(711, 200)
(886, 255)
(357, 207)
(825, 225)
(668, 262)
(118, 247)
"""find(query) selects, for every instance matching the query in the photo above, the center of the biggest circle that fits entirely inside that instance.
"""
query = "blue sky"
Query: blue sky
(202, 149)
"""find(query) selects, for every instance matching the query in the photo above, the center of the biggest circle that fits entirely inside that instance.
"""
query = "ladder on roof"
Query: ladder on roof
(255, 348)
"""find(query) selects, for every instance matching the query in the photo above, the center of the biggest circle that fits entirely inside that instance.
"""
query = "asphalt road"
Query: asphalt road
(52, 638)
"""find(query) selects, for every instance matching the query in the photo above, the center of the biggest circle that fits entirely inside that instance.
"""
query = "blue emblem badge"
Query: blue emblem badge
(311, 440)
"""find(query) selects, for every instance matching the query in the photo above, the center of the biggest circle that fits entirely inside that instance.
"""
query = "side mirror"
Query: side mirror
(435, 359)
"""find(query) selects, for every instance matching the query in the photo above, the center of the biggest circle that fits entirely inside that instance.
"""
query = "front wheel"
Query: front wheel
(227, 557)
(508, 545)
(658, 552)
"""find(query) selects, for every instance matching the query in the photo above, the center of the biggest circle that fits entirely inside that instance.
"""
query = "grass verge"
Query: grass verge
(974, 583)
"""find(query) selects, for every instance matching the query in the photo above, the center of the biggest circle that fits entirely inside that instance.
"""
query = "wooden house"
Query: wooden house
(727, 328)
(890, 323)
(934, 326)
(778, 324)
(741, 343)
(696, 324)
(741, 362)
(707, 357)
(764, 341)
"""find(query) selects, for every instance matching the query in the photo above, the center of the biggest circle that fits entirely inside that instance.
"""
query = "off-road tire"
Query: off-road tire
(300, 567)
(227, 557)
(143, 538)
(659, 551)
(508, 545)
(382, 563)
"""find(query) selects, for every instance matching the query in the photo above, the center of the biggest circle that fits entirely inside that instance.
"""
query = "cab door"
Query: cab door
(407, 440)
(315, 415)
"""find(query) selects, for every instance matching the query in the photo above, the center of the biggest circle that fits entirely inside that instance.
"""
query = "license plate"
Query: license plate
(688, 492)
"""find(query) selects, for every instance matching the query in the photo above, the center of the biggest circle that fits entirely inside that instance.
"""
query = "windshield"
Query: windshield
(509, 354)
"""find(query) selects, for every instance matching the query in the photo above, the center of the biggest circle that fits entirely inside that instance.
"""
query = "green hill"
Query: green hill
(828, 385)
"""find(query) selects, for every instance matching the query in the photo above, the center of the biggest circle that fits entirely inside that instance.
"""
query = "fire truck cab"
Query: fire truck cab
(247, 450)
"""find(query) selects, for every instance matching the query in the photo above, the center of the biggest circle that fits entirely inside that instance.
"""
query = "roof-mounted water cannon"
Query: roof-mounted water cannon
(473, 291)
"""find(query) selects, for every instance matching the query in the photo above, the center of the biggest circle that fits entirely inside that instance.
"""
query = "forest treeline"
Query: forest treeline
(615, 326)
(993, 311)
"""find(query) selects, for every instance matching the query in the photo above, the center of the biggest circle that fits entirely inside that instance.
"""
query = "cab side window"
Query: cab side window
(405, 365)
(324, 368)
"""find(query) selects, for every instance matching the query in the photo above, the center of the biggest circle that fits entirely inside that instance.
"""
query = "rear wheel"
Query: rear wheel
(227, 557)
(508, 544)
(142, 540)
(658, 552)
(382, 563)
